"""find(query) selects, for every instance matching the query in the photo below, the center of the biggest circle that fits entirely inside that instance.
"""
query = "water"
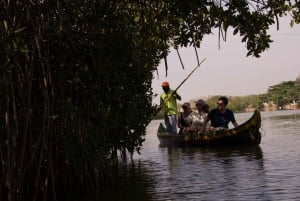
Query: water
(270, 171)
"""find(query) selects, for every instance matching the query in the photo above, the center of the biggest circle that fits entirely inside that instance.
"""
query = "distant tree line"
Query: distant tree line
(280, 95)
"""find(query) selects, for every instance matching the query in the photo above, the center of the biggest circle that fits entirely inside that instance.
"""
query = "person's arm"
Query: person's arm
(179, 120)
(177, 96)
(235, 124)
(161, 105)
(233, 121)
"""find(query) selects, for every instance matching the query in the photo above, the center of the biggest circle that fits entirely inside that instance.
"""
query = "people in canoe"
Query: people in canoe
(200, 117)
(190, 121)
(198, 122)
(185, 119)
(168, 101)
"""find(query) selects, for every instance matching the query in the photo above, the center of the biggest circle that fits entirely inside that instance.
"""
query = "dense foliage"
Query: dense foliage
(76, 78)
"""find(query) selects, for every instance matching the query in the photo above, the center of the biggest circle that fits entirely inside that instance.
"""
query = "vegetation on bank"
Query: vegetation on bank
(76, 77)
(284, 95)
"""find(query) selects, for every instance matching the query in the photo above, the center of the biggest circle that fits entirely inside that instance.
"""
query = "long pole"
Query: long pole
(189, 75)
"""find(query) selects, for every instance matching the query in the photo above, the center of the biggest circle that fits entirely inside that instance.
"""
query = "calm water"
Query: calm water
(270, 171)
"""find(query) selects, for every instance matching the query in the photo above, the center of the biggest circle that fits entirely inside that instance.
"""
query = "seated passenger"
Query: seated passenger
(185, 119)
(221, 116)
(199, 117)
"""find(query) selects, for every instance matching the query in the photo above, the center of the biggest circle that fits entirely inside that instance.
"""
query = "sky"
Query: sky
(227, 70)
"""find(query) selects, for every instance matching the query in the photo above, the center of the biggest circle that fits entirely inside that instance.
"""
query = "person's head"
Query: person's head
(206, 108)
(165, 86)
(200, 104)
(222, 102)
(186, 107)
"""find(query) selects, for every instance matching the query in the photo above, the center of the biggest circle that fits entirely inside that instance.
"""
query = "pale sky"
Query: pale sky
(227, 71)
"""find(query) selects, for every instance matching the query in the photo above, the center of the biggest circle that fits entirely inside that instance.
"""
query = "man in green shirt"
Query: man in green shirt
(168, 101)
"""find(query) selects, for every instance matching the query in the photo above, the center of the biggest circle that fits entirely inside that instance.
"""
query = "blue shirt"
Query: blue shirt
(219, 119)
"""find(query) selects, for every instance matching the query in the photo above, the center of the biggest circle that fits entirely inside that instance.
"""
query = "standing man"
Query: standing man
(168, 101)
(221, 116)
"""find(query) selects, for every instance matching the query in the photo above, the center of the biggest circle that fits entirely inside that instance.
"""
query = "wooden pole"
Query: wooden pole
(189, 75)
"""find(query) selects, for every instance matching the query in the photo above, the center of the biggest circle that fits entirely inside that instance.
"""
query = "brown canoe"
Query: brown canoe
(247, 133)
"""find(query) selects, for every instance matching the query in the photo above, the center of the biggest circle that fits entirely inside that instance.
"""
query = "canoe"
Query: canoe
(248, 133)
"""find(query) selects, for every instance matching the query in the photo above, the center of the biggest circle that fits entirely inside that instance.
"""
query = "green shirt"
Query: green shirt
(168, 102)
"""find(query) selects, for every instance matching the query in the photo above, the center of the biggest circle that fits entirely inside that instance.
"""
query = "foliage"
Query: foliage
(76, 78)
(284, 93)
(280, 94)
(236, 103)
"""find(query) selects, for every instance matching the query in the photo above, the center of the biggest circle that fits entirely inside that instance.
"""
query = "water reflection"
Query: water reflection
(269, 171)
(282, 124)
(133, 182)
(200, 173)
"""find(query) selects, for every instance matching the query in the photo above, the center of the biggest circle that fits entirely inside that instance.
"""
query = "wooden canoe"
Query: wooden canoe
(247, 133)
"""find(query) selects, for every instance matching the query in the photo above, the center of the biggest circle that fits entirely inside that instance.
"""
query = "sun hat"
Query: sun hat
(165, 84)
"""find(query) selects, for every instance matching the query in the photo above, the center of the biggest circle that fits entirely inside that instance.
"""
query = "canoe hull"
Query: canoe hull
(247, 133)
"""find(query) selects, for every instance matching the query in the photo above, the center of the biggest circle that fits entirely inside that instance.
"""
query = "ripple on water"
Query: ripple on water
(270, 171)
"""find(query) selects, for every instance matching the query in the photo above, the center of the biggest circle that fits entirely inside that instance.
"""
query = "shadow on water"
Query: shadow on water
(182, 173)
(253, 151)
(265, 172)
(131, 182)
(227, 150)
(250, 153)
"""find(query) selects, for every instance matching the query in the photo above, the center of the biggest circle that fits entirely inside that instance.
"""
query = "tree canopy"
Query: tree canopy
(76, 78)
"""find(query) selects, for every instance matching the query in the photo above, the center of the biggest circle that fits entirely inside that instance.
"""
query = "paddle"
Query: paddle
(189, 75)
